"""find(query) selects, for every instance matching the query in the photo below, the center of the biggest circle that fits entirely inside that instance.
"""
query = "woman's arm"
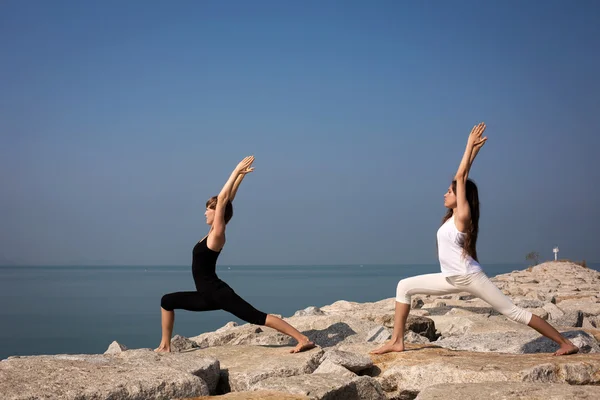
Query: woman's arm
(217, 235)
(238, 181)
(474, 144)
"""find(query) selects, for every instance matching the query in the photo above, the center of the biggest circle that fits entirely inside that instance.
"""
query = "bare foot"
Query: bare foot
(388, 348)
(163, 349)
(566, 349)
(303, 346)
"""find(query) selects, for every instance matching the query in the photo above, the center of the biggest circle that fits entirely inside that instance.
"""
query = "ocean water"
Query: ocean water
(75, 310)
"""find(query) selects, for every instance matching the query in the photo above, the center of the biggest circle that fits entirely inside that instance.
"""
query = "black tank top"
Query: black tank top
(204, 265)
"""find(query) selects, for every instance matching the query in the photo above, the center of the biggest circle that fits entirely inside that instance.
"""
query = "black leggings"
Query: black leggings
(221, 298)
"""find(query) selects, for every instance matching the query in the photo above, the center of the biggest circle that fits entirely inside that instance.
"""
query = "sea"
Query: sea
(82, 309)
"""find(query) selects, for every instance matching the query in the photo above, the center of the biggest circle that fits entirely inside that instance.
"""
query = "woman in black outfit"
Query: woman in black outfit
(211, 292)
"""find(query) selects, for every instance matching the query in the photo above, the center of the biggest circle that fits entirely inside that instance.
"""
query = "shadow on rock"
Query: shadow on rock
(331, 336)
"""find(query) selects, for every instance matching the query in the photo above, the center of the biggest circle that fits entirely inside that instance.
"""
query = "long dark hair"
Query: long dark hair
(470, 243)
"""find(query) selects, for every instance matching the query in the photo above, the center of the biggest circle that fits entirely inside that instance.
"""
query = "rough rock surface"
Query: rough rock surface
(457, 341)
(133, 374)
(509, 391)
(326, 387)
(243, 366)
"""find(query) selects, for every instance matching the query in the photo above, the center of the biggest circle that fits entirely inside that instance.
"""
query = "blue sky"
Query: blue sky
(119, 119)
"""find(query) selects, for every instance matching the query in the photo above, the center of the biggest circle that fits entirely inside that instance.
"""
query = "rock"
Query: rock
(331, 330)
(411, 337)
(435, 304)
(516, 342)
(554, 312)
(508, 391)
(419, 313)
(462, 311)
(416, 303)
(227, 326)
(422, 325)
(325, 330)
(272, 338)
(341, 306)
(409, 372)
(449, 325)
(133, 374)
(590, 322)
(246, 334)
(583, 297)
(570, 318)
(181, 343)
(378, 335)
(328, 367)
(115, 347)
(587, 307)
(352, 361)
(243, 366)
(528, 303)
(326, 386)
(309, 311)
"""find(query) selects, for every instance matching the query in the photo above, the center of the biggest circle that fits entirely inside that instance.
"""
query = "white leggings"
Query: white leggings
(478, 284)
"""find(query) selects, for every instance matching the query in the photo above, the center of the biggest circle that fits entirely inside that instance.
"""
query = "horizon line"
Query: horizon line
(273, 265)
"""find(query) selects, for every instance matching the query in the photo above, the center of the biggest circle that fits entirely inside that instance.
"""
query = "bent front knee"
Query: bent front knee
(402, 295)
(167, 302)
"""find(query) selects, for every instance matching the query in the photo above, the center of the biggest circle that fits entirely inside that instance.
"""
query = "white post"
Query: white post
(555, 250)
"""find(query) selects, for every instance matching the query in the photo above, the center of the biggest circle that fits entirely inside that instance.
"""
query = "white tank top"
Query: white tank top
(450, 251)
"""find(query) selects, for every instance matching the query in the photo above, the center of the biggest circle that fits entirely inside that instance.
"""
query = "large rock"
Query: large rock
(181, 343)
(246, 334)
(558, 282)
(570, 318)
(326, 387)
(133, 374)
(352, 361)
(589, 308)
(380, 334)
(457, 325)
(517, 342)
(243, 366)
(509, 391)
(409, 372)
(328, 367)
(553, 311)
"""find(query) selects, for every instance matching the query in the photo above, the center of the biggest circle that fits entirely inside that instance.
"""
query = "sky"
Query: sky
(118, 120)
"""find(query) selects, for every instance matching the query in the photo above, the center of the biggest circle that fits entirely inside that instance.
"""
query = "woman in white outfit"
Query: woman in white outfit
(460, 270)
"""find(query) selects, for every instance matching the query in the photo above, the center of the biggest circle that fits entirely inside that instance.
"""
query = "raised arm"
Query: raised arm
(474, 144)
(216, 237)
(238, 181)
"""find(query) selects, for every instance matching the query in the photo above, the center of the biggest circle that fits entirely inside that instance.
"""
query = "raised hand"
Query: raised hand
(244, 166)
(475, 137)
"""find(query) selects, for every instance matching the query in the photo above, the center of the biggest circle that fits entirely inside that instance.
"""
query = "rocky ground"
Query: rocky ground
(459, 348)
